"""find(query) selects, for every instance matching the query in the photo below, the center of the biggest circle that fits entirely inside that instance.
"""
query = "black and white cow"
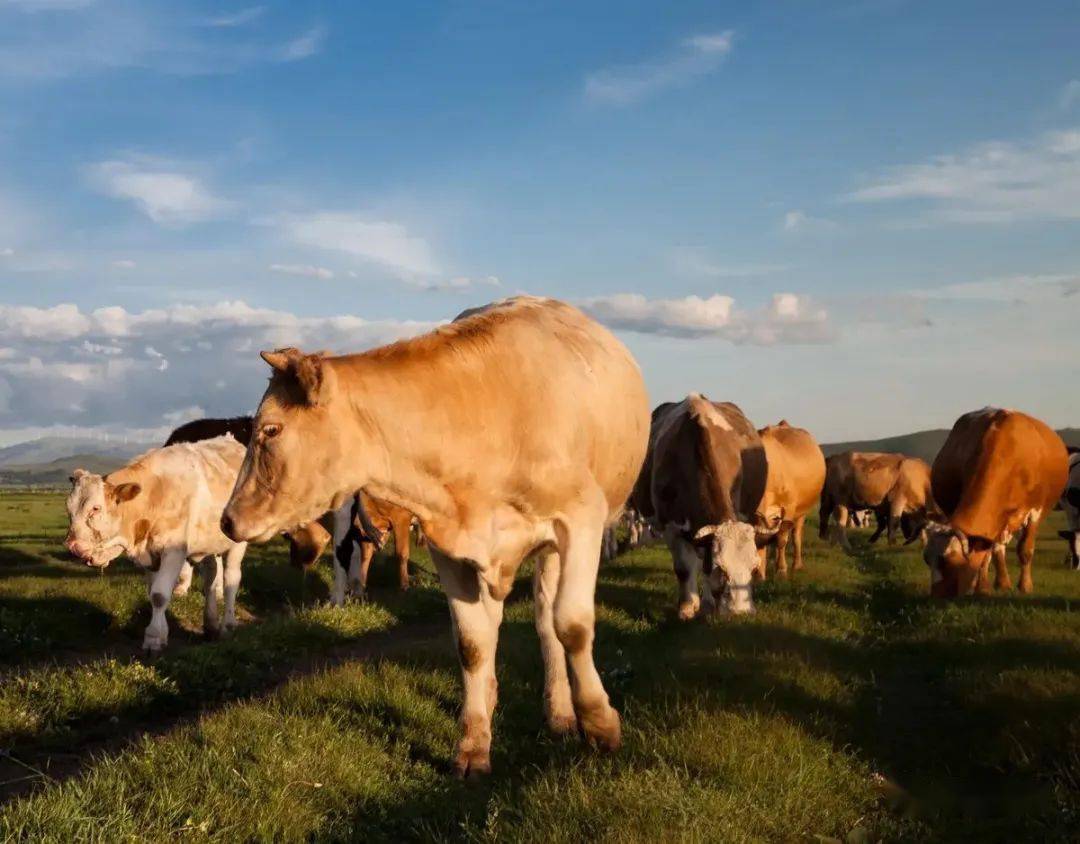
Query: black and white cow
(1070, 503)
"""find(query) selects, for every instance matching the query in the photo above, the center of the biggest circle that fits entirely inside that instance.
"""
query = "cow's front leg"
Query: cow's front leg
(344, 551)
(782, 537)
(211, 574)
(558, 705)
(574, 624)
(233, 557)
(687, 562)
(161, 589)
(474, 617)
(183, 583)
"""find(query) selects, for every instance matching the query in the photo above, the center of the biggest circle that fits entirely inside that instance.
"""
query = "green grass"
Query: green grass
(850, 707)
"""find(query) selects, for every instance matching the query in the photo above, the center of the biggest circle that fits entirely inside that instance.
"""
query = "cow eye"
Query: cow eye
(271, 431)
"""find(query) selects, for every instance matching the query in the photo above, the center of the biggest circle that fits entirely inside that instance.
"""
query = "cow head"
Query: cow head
(734, 558)
(954, 560)
(1072, 539)
(95, 524)
(292, 472)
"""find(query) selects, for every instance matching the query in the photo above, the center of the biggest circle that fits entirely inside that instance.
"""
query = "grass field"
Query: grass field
(850, 707)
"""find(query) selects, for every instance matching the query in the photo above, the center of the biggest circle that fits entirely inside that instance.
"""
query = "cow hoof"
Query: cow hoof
(603, 729)
(562, 724)
(152, 648)
(471, 764)
(689, 609)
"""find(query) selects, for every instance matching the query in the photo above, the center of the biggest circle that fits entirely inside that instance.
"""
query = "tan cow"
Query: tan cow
(162, 510)
(999, 473)
(353, 551)
(702, 481)
(867, 480)
(517, 429)
(796, 475)
(909, 504)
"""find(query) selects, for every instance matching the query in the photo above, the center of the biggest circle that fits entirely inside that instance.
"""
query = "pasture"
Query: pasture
(850, 707)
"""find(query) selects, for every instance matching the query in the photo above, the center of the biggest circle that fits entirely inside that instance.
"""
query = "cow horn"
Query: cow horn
(708, 530)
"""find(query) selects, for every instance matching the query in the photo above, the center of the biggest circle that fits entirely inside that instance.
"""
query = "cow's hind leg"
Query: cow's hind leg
(476, 631)
(796, 541)
(558, 705)
(1002, 581)
(842, 516)
(1025, 550)
(210, 570)
(359, 566)
(401, 550)
(344, 551)
(579, 550)
(687, 562)
(233, 557)
(156, 636)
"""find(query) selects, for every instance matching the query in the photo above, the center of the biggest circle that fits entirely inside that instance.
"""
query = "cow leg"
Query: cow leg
(476, 638)
(211, 574)
(687, 562)
(782, 537)
(796, 541)
(982, 584)
(401, 550)
(233, 557)
(575, 616)
(183, 582)
(842, 516)
(825, 512)
(558, 705)
(762, 569)
(896, 512)
(344, 551)
(1025, 550)
(1002, 581)
(156, 636)
(881, 516)
(359, 566)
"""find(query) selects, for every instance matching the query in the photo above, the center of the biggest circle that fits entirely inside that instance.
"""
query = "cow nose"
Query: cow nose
(227, 525)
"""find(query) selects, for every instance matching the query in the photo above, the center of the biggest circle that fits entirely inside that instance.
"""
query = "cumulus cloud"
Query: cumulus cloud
(387, 244)
(695, 57)
(122, 369)
(995, 182)
(302, 270)
(787, 318)
(162, 191)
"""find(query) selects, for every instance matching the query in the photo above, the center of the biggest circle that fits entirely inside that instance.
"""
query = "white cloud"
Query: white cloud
(305, 45)
(1070, 95)
(6, 252)
(160, 190)
(696, 57)
(302, 270)
(459, 283)
(237, 18)
(797, 221)
(124, 264)
(183, 414)
(788, 318)
(995, 182)
(124, 370)
(387, 244)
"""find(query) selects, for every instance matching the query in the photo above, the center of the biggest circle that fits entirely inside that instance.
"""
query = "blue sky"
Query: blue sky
(862, 215)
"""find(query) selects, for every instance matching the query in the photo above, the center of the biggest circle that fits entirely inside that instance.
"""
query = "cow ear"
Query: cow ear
(125, 492)
(77, 476)
(314, 378)
(280, 360)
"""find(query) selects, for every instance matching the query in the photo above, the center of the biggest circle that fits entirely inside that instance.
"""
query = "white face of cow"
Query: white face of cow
(94, 521)
(734, 558)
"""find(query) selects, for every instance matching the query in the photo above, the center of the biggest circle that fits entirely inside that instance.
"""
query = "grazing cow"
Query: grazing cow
(518, 429)
(354, 547)
(998, 474)
(162, 510)
(1070, 503)
(703, 479)
(796, 475)
(858, 481)
(306, 543)
(908, 504)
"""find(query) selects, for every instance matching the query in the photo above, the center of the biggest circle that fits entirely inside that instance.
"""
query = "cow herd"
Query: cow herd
(522, 430)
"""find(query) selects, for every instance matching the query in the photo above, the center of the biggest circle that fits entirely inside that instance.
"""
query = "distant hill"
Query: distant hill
(56, 472)
(48, 449)
(924, 444)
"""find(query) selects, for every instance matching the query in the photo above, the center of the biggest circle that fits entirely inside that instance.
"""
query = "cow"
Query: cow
(909, 503)
(998, 474)
(878, 481)
(355, 543)
(701, 483)
(795, 477)
(516, 430)
(1070, 503)
(164, 509)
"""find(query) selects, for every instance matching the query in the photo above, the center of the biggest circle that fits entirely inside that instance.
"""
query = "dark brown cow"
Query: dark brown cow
(999, 473)
(703, 478)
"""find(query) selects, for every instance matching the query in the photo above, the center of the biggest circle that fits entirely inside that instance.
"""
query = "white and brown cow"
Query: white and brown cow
(1070, 503)
(163, 510)
(702, 481)
(999, 473)
(518, 429)
(796, 475)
